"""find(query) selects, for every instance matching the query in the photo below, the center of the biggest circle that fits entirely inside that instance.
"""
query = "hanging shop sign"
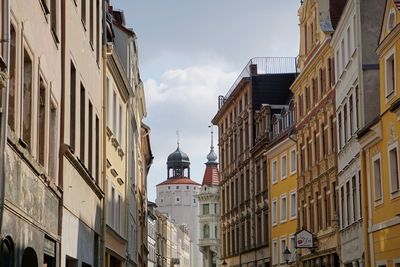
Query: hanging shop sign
(304, 239)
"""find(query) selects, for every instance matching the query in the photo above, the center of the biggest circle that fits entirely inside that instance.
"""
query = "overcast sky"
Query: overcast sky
(191, 51)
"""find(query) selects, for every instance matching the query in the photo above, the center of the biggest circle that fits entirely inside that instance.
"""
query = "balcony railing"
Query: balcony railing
(262, 65)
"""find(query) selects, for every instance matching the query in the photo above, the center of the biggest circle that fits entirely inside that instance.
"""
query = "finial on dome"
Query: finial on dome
(177, 135)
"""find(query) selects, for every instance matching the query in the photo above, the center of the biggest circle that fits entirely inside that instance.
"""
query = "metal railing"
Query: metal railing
(260, 66)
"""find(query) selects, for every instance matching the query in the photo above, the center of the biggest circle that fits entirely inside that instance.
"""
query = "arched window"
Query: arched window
(29, 258)
(206, 231)
(7, 252)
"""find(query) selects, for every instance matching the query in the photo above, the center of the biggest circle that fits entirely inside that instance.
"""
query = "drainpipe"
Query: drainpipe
(103, 259)
(364, 200)
(4, 105)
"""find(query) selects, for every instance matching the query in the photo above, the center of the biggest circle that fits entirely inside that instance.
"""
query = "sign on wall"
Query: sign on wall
(304, 239)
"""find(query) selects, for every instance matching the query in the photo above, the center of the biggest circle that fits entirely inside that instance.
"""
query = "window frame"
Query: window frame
(294, 162)
(293, 192)
(274, 211)
(391, 147)
(389, 96)
(283, 220)
(283, 177)
(379, 200)
(274, 178)
(281, 250)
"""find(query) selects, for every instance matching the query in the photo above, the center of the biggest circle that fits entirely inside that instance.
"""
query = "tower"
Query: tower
(175, 198)
(208, 198)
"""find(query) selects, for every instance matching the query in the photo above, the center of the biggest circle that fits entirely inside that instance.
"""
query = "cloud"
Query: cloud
(185, 100)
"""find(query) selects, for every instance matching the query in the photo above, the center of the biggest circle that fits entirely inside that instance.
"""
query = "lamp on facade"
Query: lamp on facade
(286, 255)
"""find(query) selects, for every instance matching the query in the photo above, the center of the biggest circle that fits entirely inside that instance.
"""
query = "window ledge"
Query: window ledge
(378, 202)
(395, 194)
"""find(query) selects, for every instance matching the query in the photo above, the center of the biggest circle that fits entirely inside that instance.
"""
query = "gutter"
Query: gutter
(4, 105)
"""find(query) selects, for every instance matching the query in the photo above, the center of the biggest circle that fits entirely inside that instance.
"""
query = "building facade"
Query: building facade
(81, 148)
(357, 102)
(176, 199)
(31, 80)
(151, 234)
(243, 172)
(209, 204)
(314, 94)
(380, 156)
(282, 177)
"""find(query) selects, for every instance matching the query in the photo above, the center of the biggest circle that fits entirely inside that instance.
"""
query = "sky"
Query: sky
(190, 52)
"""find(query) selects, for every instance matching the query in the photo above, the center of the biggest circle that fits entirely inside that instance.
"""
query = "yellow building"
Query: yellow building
(380, 156)
(314, 95)
(282, 174)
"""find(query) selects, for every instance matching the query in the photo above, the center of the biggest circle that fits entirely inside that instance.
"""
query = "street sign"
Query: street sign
(304, 239)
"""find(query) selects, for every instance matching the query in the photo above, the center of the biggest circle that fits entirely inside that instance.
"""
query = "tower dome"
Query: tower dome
(178, 164)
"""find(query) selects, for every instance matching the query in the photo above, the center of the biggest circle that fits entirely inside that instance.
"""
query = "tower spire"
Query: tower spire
(212, 157)
(177, 138)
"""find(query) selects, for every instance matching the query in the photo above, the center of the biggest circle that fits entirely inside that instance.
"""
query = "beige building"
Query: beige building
(81, 135)
(30, 185)
(243, 175)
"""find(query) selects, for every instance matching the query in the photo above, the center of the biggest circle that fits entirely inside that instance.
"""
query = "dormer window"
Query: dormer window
(391, 20)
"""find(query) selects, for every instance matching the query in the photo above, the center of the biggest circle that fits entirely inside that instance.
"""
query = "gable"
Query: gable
(391, 18)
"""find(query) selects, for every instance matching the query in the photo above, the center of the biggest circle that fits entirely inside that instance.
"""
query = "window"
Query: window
(394, 169)
(119, 224)
(345, 123)
(274, 212)
(274, 171)
(390, 70)
(282, 249)
(97, 154)
(354, 197)
(348, 204)
(27, 100)
(120, 126)
(274, 252)
(108, 100)
(112, 203)
(53, 140)
(292, 161)
(351, 114)
(83, 124)
(91, 22)
(72, 106)
(293, 205)
(342, 205)
(53, 17)
(377, 179)
(339, 116)
(91, 138)
(114, 128)
(292, 248)
(283, 208)
(206, 209)
(283, 167)
(391, 20)
(12, 78)
(83, 12)
(42, 102)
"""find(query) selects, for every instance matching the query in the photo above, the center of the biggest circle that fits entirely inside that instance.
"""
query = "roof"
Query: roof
(178, 157)
(211, 175)
(336, 9)
(178, 180)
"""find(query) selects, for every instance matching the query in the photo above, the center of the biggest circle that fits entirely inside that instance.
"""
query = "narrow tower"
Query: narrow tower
(209, 210)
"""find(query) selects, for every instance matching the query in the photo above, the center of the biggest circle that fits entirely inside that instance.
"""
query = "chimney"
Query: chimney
(253, 69)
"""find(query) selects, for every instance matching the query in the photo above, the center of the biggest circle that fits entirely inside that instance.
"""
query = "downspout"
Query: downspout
(364, 200)
(104, 167)
(4, 105)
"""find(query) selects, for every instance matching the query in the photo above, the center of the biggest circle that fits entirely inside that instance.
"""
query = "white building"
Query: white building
(357, 103)
(209, 211)
(175, 198)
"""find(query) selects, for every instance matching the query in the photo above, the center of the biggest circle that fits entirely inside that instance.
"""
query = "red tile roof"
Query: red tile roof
(336, 9)
(211, 176)
(397, 3)
(178, 180)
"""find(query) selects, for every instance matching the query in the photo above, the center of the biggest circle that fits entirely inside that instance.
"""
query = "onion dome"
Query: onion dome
(177, 157)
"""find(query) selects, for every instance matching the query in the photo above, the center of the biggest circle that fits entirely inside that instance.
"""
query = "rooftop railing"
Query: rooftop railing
(262, 65)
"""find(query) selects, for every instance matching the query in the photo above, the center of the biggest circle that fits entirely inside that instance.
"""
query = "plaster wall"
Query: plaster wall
(185, 211)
